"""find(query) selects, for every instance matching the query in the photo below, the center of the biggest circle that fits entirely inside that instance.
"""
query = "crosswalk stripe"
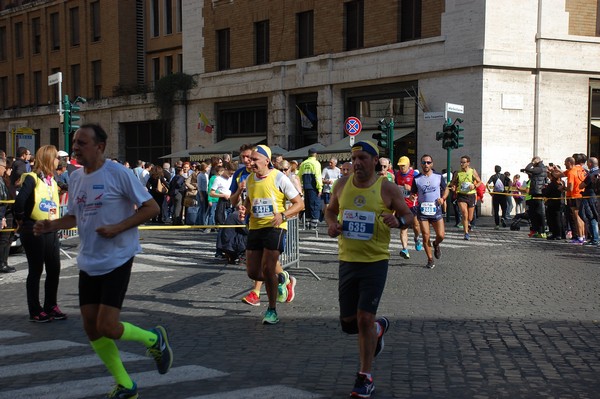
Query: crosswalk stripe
(46, 366)
(270, 392)
(6, 334)
(35, 347)
(98, 386)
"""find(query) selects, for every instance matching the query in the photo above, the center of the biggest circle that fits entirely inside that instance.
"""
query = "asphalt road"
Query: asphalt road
(501, 316)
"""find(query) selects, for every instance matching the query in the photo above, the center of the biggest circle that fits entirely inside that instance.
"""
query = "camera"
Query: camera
(523, 171)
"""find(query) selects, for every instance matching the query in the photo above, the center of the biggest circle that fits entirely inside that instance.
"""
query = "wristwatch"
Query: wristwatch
(401, 222)
(283, 217)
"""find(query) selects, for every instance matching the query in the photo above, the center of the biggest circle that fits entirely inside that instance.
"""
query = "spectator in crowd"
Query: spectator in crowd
(202, 198)
(554, 193)
(386, 169)
(330, 174)
(137, 171)
(589, 204)
(575, 175)
(158, 187)
(20, 166)
(177, 192)
(6, 215)
(312, 184)
(497, 186)
(537, 172)
(516, 192)
(285, 168)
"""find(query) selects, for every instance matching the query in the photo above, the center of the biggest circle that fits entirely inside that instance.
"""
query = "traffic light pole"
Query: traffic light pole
(67, 121)
(448, 173)
(391, 142)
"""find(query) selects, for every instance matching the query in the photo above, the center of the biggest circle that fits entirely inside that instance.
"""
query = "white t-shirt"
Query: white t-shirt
(221, 185)
(105, 196)
(330, 174)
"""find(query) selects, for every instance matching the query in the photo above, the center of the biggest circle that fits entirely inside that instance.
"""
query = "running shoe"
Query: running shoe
(531, 233)
(41, 317)
(577, 241)
(56, 314)
(591, 243)
(384, 323)
(252, 299)
(497, 227)
(418, 245)
(437, 252)
(291, 289)
(540, 235)
(161, 350)
(467, 237)
(459, 226)
(404, 253)
(363, 386)
(270, 317)
(120, 392)
(430, 264)
(282, 291)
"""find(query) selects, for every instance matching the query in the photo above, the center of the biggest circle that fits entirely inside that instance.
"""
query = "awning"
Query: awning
(180, 154)
(341, 148)
(228, 146)
(596, 124)
(302, 153)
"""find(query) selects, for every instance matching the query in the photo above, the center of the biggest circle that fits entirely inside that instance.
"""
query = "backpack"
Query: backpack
(499, 184)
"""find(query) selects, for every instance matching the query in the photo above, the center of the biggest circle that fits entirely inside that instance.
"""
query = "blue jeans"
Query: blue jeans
(210, 220)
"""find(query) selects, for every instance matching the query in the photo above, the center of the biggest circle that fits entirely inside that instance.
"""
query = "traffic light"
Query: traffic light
(66, 116)
(456, 136)
(382, 138)
(445, 136)
(75, 107)
(70, 115)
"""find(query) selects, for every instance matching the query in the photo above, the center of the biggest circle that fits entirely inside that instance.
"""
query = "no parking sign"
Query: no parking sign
(352, 127)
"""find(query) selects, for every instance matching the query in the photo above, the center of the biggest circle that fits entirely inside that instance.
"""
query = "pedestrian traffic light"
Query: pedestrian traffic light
(382, 138)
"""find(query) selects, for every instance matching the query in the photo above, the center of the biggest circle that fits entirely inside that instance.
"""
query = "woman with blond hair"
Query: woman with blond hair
(38, 200)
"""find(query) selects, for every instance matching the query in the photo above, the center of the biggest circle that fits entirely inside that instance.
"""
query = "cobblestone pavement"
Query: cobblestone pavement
(501, 316)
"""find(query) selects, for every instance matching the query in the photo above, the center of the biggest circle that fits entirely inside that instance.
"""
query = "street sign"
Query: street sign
(429, 116)
(353, 126)
(54, 78)
(456, 108)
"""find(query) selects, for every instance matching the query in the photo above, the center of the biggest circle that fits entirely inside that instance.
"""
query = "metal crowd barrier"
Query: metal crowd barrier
(290, 257)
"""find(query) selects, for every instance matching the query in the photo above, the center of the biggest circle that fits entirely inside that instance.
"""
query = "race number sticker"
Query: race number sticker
(262, 207)
(428, 208)
(358, 225)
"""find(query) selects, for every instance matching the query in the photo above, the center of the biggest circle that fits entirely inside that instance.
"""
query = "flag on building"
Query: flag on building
(205, 123)
(304, 121)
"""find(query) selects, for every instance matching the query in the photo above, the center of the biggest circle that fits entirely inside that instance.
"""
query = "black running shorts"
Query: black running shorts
(108, 289)
(272, 238)
(361, 286)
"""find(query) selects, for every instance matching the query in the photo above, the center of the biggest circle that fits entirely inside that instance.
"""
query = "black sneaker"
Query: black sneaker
(41, 317)
(437, 252)
(430, 264)
(161, 350)
(384, 323)
(7, 269)
(56, 314)
(120, 392)
(363, 387)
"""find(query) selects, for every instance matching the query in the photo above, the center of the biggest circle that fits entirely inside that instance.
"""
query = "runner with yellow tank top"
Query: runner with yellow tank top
(464, 184)
(363, 208)
(267, 192)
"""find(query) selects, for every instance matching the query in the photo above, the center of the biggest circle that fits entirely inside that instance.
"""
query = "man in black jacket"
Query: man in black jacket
(538, 175)
(497, 186)
(20, 166)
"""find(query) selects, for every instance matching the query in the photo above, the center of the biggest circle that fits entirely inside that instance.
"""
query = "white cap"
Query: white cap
(62, 153)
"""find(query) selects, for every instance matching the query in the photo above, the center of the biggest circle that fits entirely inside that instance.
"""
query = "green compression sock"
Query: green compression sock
(107, 351)
(134, 333)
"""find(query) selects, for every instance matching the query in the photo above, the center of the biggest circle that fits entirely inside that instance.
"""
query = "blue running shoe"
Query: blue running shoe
(467, 237)
(271, 317)
(404, 253)
(120, 392)
(363, 387)
(161, 350)
(418, 245)
(384, 323)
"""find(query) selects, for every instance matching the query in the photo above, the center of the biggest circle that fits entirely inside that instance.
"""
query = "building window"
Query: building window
(4, 92)
(243, 120)
(54, 137)
(19, 39)
(74, 20)
(168, 17)
(155, 18)
(97, 79)
(147, 140)
(168, 65)
(75, 80)
(20, 89)
(410, 20)
(155, 69)
(305, 30)
(180, 63)
(3, 43)
(36, 36)
(37, 87)
(54, 32)
(179, 16)
(95, 19)
(354, 24)
(261, 35)
(54, 88)
(223, 49)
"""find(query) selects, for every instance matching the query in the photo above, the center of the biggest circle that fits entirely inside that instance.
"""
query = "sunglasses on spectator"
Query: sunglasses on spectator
(426, 162)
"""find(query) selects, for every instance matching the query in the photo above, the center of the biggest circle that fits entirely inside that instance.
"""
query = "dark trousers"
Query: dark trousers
(5, 241)
(555, 218)
(313, 205)
(40, 250)
(537, 215)
(498, 202)
(177, 199)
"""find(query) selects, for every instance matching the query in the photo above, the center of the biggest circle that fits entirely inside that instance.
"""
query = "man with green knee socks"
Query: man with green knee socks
(107, 203)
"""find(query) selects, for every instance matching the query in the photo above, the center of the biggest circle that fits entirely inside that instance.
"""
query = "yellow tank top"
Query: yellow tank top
(46, 199)
(365, 237)
(265, 200)
(464, 180)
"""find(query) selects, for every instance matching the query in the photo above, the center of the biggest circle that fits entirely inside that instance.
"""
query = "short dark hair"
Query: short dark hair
(21, 151)
(497, 169)
(246, 147)
(468, 158)
(100, 135)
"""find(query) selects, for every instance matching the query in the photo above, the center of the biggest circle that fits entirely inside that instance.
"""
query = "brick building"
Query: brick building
(525, 72)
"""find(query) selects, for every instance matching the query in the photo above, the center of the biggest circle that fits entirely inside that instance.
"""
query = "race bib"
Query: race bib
(428, 208)
(358, 225)
(465, 187)
(262, 207)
